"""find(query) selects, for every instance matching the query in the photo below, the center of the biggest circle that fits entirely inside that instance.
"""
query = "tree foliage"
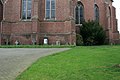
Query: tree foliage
(79, 40)
(92, 33)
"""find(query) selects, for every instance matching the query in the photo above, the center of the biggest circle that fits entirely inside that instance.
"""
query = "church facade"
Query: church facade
(53, 21)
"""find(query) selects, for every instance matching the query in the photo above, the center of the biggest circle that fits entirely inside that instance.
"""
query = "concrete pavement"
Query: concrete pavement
(13, 61)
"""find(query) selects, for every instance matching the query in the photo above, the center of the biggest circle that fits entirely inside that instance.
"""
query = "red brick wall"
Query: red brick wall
(17, 28)
(53, 27)
(62, 9)
(6, 28)
(109, 26)
(22, 27)
(58, 31)
(114, 20)
(61, 29)
(89, 11)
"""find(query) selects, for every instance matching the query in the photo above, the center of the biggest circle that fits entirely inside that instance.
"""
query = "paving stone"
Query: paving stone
(13, 61)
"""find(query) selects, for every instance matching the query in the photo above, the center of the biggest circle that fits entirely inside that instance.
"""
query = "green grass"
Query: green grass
(79, 63)
(36, 46)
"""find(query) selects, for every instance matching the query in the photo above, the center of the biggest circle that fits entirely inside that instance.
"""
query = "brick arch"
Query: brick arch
(79, 2)
(76, 2)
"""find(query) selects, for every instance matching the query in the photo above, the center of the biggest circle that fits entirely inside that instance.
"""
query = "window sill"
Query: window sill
(26, 20)
(52, 19)
(78, 24)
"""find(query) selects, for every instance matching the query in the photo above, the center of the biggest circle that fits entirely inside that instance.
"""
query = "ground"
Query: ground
(13, 61)
(79, 63)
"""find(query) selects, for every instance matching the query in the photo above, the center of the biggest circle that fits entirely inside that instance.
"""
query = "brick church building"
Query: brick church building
(56, 21)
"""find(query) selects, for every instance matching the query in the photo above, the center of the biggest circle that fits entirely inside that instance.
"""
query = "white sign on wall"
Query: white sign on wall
(45, 41)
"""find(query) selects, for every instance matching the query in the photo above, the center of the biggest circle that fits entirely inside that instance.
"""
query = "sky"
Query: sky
(116, 3)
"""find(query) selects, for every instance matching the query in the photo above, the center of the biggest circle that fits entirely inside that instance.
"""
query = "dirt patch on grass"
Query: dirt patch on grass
(117, 66)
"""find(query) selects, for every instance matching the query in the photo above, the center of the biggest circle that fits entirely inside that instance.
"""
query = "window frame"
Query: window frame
(50, 14)
(97, 12)
(1, 10)
(79, 6)
(26, 10)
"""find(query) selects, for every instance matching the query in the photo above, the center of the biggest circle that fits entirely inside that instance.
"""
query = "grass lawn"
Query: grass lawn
(79, 63)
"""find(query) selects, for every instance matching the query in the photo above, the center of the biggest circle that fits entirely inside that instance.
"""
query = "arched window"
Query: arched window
(0, 2)
(109, 12)
(96, 8)
(1, 11)
(79, 13)
(109, 17)
(50, 9)
(26, 9)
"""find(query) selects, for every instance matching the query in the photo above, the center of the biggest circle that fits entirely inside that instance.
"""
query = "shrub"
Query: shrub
(92, 33)
(79, 40)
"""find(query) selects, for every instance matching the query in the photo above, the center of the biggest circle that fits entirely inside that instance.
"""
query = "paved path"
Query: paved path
(16, 60)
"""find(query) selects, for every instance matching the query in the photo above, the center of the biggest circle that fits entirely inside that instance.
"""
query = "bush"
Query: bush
(79, 40)
(92, 33)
